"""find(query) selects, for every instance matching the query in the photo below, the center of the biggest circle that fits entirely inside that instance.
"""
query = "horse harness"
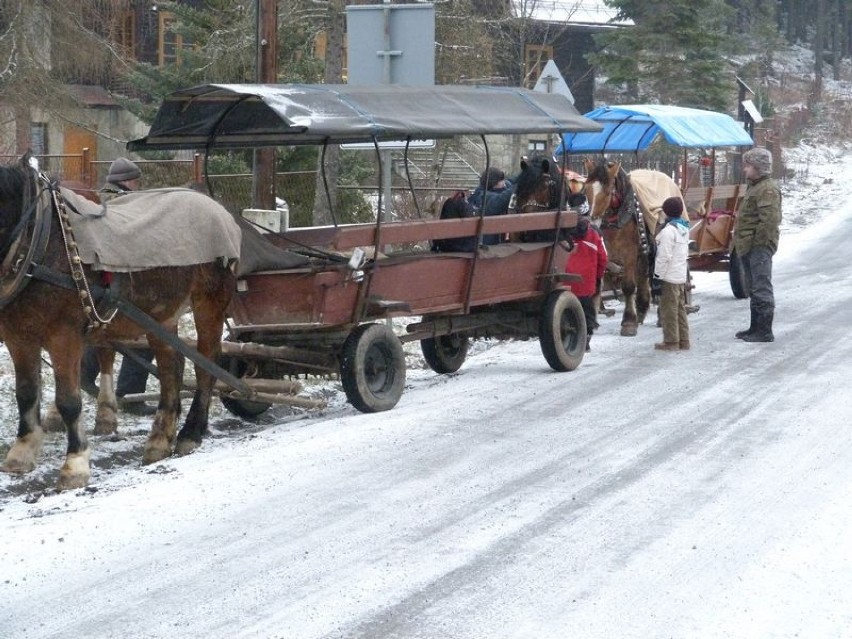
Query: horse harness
(623, 208)
(28, 265)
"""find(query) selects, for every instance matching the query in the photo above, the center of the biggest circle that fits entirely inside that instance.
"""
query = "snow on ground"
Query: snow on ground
(700, 494)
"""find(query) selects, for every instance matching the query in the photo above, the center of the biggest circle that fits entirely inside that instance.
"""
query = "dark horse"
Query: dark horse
(612, 202)
(41, 307)
(538, 186)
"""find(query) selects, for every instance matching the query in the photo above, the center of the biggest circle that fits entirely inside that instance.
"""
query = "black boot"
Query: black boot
(763, 329)
(750, 329)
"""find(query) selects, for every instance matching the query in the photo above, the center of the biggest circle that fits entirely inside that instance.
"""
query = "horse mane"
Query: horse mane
(17, 190)
(12, 180)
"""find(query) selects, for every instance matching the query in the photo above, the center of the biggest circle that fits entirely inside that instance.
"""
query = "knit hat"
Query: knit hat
(760, 158)
(122, 170)
(673, 207)
(491, 177)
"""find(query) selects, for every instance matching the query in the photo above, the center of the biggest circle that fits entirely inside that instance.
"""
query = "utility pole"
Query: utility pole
(263, 181)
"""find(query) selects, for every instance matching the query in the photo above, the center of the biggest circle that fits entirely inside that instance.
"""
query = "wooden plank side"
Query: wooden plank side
(352, 235)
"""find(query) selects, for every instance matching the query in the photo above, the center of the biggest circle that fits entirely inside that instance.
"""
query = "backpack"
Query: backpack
(455, 207)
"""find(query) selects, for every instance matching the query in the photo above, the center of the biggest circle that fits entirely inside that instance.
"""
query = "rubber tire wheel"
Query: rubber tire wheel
(372, 368)
(240, 407)
(562, 331)
(446, 353)
(737, 275)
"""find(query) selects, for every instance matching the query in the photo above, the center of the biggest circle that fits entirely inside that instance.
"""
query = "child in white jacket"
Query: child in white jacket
(670, 267)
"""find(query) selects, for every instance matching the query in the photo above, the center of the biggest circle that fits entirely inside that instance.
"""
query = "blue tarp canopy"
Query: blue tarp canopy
(634, 127)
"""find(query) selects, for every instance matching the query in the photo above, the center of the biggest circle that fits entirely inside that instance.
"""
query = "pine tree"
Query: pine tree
(674, 54)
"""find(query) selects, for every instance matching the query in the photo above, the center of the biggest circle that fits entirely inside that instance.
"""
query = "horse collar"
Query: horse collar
(75, 263)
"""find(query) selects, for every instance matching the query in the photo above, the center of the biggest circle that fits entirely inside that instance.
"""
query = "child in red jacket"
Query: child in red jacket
(588, 259)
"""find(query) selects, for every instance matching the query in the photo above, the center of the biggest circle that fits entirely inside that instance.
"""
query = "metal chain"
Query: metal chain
(75, 263)
(640, 225)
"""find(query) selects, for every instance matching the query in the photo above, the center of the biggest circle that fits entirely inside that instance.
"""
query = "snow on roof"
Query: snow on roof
(571, 11)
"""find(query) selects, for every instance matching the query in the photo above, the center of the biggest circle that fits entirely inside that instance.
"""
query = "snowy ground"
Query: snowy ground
(646, 494)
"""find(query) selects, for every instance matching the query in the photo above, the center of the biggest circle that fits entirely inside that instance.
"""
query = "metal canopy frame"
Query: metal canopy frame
(260, 115)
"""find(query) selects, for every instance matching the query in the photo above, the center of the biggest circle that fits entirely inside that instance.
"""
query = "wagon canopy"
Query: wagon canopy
(633, 128)
(258, 115)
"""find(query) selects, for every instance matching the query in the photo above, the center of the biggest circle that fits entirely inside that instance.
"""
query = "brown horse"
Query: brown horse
(613, 203)
(50, 299)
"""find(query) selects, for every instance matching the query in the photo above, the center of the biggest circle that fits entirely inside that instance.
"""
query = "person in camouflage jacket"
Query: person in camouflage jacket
(756, 240)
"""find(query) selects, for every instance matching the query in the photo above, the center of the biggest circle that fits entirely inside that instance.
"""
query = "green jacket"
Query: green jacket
(759, 217)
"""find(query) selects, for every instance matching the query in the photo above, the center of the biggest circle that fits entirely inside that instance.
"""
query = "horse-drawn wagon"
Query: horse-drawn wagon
(712, 196)
(327, 315)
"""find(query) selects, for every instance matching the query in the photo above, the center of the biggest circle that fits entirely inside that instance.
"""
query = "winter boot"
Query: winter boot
(667, 346)
(763, 328)
(750, 329)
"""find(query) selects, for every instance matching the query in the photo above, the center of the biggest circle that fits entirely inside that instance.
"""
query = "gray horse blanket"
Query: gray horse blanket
(149, 229)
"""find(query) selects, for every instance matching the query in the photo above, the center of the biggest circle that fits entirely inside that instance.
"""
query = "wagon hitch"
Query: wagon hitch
(152, 326)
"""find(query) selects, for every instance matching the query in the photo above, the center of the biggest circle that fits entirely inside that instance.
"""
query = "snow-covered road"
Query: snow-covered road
(694, 494)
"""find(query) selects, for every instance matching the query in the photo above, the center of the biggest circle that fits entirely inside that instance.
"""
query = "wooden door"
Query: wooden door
(74, 167)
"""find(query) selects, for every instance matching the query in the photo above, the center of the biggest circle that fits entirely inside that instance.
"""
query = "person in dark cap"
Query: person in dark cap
(492, 198)
(123, 176)
(756, 239)
(671, 268)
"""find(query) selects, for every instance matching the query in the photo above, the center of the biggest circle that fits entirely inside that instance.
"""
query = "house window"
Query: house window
(170, 43)
(537, 146)
(38, 138)
(535, 57)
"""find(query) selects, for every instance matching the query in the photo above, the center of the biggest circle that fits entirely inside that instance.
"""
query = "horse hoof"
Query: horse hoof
(73, 481)
(185, 447)
(52, 422)
(18, 466)
(21, 458)
(628, 331)
(75, 472)
(106, 422)
(155, 452)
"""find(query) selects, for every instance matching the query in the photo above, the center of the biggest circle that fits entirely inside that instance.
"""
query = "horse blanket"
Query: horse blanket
(148, 229)
(652, 188)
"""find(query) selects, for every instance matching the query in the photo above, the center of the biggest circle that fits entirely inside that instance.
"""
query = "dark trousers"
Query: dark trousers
(589, 310)
(758, 269)
(132, 376)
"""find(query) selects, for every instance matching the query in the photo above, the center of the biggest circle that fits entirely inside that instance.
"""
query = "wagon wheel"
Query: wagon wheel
(240, 407)
(562, 331)
(738, 276)
(446, 353)
(372, 368)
